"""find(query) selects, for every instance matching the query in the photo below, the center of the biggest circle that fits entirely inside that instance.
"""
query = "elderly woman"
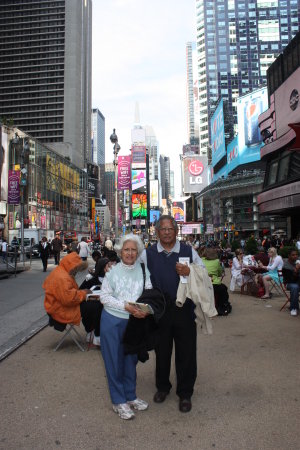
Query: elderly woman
(122, 284)
(275, 264)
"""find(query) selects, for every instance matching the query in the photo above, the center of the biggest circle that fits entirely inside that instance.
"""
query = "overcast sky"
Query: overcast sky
(139, 56)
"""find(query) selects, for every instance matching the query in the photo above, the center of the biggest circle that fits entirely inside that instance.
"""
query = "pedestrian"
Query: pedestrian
(57, 246)
(177, 324)
(15, 248)
(4, 250)
(291, 276)
(123, 283)
(44, 249)
(83, 249)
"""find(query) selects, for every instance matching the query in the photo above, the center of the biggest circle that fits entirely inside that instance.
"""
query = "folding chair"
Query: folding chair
(69, 329)
(284, 290)
(275, 286)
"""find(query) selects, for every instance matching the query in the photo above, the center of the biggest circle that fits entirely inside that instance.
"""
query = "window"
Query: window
(272, 173)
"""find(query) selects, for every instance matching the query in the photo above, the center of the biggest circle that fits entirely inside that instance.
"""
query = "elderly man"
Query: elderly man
(178, 324)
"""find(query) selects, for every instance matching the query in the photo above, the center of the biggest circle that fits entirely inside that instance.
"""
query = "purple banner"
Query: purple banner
(13, 197)
(124, 173)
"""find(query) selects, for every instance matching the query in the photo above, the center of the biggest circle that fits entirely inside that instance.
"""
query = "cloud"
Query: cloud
(139, 55)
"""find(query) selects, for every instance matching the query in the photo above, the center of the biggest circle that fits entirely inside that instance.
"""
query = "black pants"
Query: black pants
(45, 262)
(56, 257)
(91, 315)
(178, 325)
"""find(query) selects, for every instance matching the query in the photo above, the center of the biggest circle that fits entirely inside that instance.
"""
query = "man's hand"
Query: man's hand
(182, 269)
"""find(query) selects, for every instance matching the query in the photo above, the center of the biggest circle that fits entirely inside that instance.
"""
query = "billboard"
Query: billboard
(249, 107)
(287, 103)
(3, 165)
(93, 188)
(195, 173)
(178, 211)
(138, 156)
(138, 179)
(139, 206)
(154, 216)
(124, 175)
(93, 171)
(13, 187)
(218, 149)
(153, 192)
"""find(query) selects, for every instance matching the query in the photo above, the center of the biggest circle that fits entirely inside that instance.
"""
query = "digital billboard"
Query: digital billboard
(178, 211)
(195, 173)
(153, 192)
(154, 216)
(124, 180)
(138, 179)
(138, 156)
(218, 149)
(249, 107)
(139, 206)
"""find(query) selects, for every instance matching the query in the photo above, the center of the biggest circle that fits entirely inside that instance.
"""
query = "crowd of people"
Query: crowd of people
(124, 272)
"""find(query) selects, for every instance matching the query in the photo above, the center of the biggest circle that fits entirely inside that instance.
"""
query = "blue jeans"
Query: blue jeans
(294, 289)
(120, 368)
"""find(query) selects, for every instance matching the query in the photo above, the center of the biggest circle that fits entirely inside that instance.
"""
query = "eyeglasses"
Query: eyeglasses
(166, 230)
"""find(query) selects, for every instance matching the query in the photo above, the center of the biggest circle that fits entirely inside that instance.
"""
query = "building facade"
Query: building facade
(45, 72)
(192, 94)
(237, 40)
(98, 144)
(41, 189)
(164, 162)
(280, 196)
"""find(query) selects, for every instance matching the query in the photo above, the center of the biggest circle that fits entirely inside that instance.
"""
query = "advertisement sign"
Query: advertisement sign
(195, 173)
(154, 216)
(124, 180)
(153, 192)
(178, 211)
(139, 206)
(194, 228)
(218, 149)
(13, 187)
(138, 156)
(93, 188)
(287, 103)
(138, 179)
(249, 107)
(3, 165)
(233, 154)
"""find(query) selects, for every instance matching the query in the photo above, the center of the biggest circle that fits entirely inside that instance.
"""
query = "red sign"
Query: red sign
(196, 167)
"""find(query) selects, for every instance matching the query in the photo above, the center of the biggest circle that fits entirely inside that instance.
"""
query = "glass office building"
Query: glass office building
(237, 40)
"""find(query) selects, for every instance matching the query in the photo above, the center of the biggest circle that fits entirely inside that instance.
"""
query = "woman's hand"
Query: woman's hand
(136, 312)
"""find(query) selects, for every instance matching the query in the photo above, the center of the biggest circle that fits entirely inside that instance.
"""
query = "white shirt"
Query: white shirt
(176, 249)
(83, 249)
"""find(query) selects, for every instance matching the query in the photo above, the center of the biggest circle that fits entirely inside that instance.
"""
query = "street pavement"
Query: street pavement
(247, 394)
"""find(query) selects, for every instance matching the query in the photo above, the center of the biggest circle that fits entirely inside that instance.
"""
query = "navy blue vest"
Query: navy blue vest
(162, 268)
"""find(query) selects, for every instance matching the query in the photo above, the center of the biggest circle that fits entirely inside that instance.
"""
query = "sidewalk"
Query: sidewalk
(245, 397)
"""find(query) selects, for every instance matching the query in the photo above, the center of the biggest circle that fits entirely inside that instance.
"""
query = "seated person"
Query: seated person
(215, 271)
(236, 270)
(64, 302)
(97, 274)
(275, 264)
(261, 256)
(291, 277)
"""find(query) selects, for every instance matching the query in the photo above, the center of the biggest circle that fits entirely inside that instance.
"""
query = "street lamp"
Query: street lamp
(114, 140)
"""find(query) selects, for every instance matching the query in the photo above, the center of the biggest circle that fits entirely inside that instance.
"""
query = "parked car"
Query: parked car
(35, 251)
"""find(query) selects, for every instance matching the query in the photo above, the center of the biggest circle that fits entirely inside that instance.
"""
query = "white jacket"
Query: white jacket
(200, 290)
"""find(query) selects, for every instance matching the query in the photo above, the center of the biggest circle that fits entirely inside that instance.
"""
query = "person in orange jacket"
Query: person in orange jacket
(64, 301)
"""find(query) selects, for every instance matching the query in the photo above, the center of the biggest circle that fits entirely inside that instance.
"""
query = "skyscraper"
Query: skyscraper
(192, 94)
(98, 144)
(45, 71)
(237, 40)
(164, 162)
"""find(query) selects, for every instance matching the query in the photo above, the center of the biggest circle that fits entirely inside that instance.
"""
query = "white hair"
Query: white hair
(130, 237)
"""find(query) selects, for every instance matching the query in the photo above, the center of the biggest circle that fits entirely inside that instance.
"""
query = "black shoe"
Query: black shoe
(160, 397)
(185, 405)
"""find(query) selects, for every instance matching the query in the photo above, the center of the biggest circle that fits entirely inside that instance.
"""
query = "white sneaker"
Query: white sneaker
(294, 312)
(124, 411)
(96, 340)
(138, 404)
(89, 336)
